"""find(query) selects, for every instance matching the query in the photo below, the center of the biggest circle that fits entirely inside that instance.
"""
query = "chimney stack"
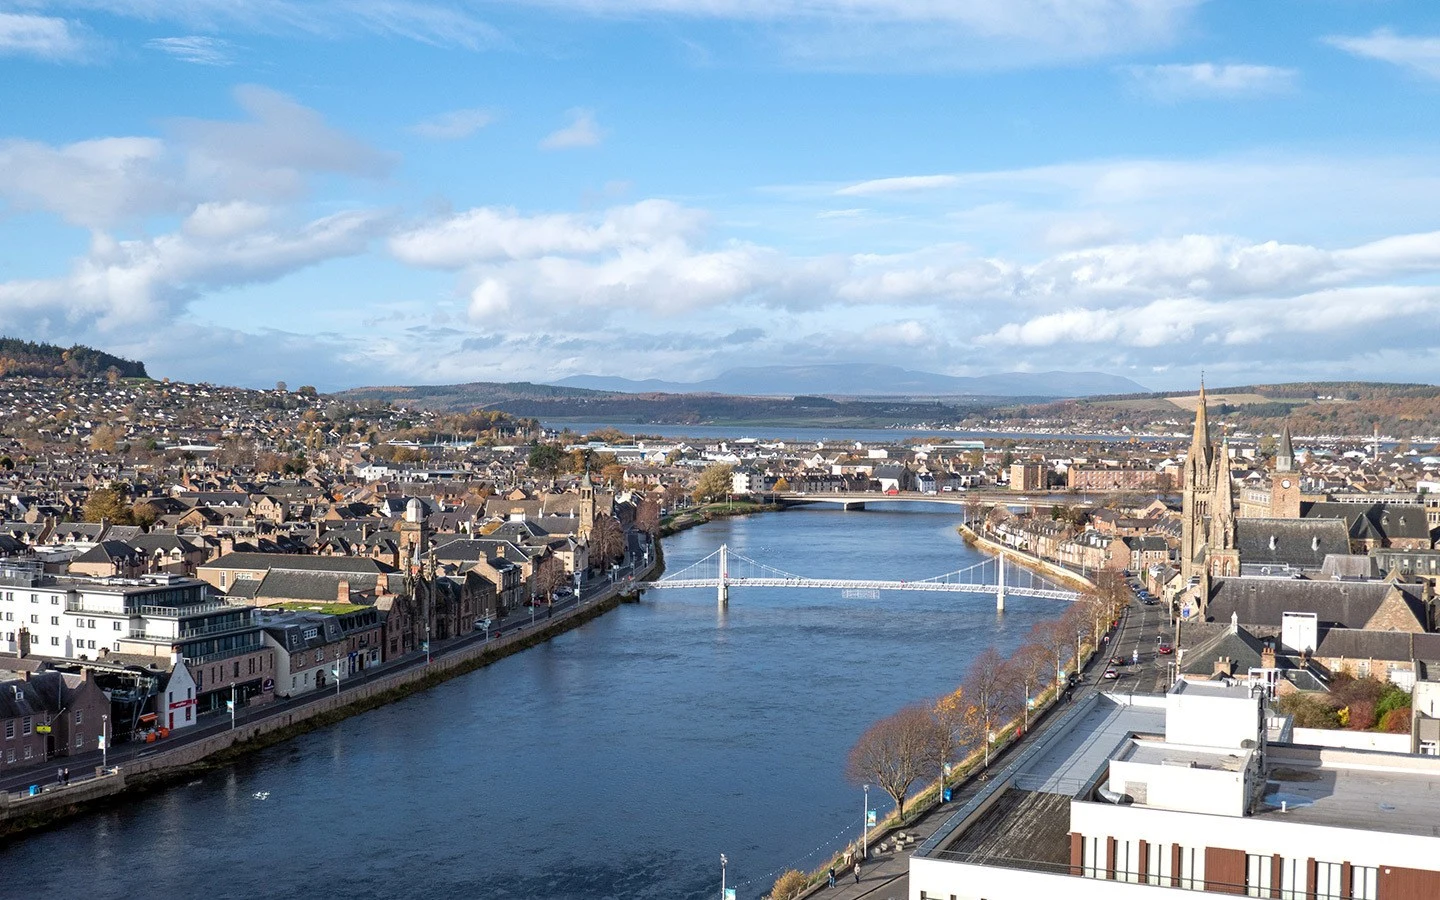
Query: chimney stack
(1267, 657)
(342, 592)
(1224, 667)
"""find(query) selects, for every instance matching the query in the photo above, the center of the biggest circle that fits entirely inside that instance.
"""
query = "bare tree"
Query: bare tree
(949, 715)
(607, 541)
(549, 576)
(1056, 640)
(1029, 666)
(989, 687)
(647, 516)
(895, 752)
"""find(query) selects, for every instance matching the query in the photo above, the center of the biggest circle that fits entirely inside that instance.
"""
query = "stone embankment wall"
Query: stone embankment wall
(1028, 560)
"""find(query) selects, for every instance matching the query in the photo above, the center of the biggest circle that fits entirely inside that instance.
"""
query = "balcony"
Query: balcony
(216, 628)
(222, 654)
(190, 609)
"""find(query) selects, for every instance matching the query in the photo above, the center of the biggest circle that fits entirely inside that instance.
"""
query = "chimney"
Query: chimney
(1267, 657)
(342, 592)
(1224, 667)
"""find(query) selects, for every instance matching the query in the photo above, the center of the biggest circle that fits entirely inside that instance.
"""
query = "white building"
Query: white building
(1138, 796)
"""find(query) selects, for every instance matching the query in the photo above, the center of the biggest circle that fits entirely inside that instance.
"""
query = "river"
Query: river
(835, 434)
(617, 761)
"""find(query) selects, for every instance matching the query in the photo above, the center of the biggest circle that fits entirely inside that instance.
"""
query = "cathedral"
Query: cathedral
(1207, 537)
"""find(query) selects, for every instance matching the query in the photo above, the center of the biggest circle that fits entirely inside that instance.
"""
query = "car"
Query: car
(1164, 649)
(1117, 660)
(1111, 674)
(1075, 678)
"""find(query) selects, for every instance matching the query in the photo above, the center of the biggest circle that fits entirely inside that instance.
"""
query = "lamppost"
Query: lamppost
(723, 861)
(865, 827)
(427, 642)
(104, 741)
(1078, 635)
(337, 676)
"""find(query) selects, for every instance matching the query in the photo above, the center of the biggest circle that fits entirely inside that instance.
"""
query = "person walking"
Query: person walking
(67, 774)
(832, 876)
(857, 871)
(59, 776)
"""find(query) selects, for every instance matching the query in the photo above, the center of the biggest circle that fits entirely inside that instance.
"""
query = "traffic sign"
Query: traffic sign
(42, 729)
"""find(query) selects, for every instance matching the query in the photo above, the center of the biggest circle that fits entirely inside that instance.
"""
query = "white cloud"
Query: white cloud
(901, 184)
(197, 49)
(583, 131)
(439, 24)
(1211, 80)
(90, 183)
(453, 125)
(487, 234)
(926, 34)
(42, 37)
(1418, 54)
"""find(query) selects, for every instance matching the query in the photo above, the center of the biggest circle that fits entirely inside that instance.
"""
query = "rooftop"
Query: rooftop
(1402, 795)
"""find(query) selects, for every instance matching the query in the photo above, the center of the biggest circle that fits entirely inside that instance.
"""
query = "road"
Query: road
(887, 875)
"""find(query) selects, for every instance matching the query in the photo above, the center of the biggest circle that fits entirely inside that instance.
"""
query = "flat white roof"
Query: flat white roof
(1393, 800)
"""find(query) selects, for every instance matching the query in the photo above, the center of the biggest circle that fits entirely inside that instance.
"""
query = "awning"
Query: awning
(148, 717)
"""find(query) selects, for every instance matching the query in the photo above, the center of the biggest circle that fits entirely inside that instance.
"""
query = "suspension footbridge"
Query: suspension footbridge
(724, 569)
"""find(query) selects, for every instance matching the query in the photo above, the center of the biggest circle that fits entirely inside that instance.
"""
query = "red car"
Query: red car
(1164, 649)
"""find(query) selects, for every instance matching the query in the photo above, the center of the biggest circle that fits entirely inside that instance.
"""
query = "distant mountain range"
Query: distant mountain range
(869, 381)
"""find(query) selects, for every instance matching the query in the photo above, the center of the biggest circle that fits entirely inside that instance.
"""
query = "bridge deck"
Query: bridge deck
(848, 584)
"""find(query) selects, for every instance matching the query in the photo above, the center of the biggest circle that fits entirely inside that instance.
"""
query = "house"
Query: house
(48, 714)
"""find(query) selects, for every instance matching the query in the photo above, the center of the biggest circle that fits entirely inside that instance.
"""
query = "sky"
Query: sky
(358, 192)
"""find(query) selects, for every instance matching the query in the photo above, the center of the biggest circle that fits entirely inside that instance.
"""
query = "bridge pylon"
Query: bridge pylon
(723, 581)
(1000, 585)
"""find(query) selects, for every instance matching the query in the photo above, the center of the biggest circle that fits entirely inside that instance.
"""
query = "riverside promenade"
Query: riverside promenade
(886, 875)
(133, 766)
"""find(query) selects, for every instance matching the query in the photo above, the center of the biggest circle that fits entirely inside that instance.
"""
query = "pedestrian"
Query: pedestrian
(832, 876)
(59, 776)
(857, 871)
(67, 774)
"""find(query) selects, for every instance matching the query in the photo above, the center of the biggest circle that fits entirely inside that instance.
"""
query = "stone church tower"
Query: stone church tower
(1285, 480)
(1221, 550)
(414, 537)
(587, 507)
(1197, 489)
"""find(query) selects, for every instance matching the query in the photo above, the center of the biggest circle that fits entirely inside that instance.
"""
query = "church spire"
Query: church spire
(1285, 453)
(1200, 441)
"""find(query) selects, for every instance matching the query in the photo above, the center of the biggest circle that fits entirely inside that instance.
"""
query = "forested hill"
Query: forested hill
(19, 357)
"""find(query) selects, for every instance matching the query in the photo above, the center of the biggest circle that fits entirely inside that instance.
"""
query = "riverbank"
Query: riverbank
(1027, 560)
(699, 515)
(158, 766)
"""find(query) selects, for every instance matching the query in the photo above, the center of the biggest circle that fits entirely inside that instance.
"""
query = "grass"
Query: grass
(335, 609)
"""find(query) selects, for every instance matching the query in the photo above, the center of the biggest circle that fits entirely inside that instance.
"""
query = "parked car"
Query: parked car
(1164, 649)
(1111, 674)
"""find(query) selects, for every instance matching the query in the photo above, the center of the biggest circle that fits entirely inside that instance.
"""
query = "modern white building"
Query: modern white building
(1141, 796)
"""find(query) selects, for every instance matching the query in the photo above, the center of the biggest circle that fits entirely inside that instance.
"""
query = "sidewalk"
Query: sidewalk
(885, 876)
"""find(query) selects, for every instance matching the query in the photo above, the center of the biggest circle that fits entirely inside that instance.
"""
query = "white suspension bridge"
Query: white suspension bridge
(724, 569)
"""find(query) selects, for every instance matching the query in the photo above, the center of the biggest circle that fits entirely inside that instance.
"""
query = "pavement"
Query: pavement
(886, 876)
(83, 766)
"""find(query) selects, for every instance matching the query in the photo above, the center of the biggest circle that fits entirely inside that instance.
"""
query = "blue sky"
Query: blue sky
(346, 192)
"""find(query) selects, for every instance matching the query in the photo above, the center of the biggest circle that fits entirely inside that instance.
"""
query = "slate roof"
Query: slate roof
(1375, 521)
(288, 584)
(1290, 543)
(1344, 604)
(1387, 645)
(350, 565)
(106, 552)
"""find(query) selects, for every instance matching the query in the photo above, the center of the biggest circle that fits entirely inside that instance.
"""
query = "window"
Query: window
(187, 713)
(294, 682)
(54, 641)
(54, 600)
(1157, 865)
(90, 644)
(1430, 748)
(79, 717)
(1363, 882)
(1328, 881)
(1192, 869)
(320, 655)
(116, 623)
(89, 623)
(1257, 875)
(79, 742)
(10, 729)
(34, 598)
(237, 668)
(34, 619)
(222, 579)
(29, 752)
(54, 620)
(25, 725)
(10, 756)
(252, 665)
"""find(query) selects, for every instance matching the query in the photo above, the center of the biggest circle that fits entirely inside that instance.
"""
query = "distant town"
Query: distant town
(181, 556)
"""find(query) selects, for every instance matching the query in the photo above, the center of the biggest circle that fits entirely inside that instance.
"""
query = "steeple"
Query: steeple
(1222, 509)
(1285, 454)
(1200, 441)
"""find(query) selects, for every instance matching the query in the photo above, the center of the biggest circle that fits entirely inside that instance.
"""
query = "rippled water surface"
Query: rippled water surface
(618, 760)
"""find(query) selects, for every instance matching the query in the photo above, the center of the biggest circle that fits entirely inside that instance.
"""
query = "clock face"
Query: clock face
(1285, 483)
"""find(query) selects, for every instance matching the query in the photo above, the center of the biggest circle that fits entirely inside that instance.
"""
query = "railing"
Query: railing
(216, 628)
(223, 654)
(1187, 881)
(190, 609)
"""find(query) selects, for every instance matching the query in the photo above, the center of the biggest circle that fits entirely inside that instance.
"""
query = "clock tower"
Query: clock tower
(1285, 480)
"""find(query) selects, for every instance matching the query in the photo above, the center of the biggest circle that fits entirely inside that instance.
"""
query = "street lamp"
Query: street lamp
(427, 642)
(104, 741)
(723, 862)
(337, 676)
(865, 827)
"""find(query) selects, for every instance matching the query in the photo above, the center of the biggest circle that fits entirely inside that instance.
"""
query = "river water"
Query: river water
(618, 760)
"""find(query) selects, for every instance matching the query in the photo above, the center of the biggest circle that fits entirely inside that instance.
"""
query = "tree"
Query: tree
(546, 459)
(949, 715)
(894, 753)
(1056, 640)
(1029, 666)
(548, 578)
(782, 484)
(788, 886)
(647, 516)
(108, 504)
(990, 686)
(607, 541)
(715, 483)
(144, 513)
